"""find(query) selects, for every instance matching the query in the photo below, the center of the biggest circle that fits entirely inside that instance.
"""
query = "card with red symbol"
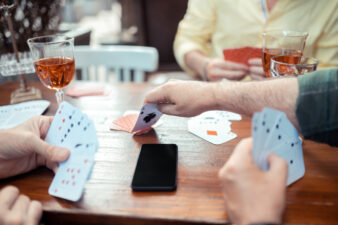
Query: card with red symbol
(72, 129)
(242, 55)
(138, 123)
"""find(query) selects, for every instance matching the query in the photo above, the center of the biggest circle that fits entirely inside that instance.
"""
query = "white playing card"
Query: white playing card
(148, 116)
(13, 115)
(273, 132)
(72, 129)
(292, 153)
(212, 129)
(268, 120)
(72, 175)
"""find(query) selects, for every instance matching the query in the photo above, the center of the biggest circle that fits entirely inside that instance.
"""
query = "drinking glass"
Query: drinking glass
(282, 42)
(281, 67)
(54, 64)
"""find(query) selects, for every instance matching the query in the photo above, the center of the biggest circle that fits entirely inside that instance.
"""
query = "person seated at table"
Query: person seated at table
(209, 26)
(310, 102)
(21, 150)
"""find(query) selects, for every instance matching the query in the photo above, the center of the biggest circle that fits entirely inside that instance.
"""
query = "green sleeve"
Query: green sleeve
(317, 106)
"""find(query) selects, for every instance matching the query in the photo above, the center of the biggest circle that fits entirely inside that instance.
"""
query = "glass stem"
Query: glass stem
(59, 96)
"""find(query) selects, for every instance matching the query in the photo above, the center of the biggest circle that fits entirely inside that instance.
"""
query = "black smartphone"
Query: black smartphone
(156, 168)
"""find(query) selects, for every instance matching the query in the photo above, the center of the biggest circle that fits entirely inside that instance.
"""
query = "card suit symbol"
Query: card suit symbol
(78, 123)
(63, 120)
(149, 117)
(292, 144)
(61, 140)
(72, 170)
(86, 160)
(65, 135)
(77, 145)
(78, 171)
(291, 161)
(85, 128)
(73, 177)
(59, 111)
(72, 125)
(68, 130)
(70, 117)
(63, 181)
(141, 112)
(59, 127)
(55, 190)
(67, 182)
(67, 170)
(73, 183)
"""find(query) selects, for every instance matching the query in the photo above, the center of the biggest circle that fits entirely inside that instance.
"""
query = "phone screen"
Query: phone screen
(156, 168)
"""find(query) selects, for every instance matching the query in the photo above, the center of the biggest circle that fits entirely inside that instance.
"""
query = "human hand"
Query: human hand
(183, 98)
(218, 69)
(18, 209)
(23, 148)
(256, 69)
(252, 195)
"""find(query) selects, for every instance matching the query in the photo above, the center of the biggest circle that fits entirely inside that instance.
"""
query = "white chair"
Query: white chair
(127, 62)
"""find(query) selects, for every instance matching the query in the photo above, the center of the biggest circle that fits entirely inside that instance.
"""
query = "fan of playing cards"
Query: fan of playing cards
(273, 132)
(72, 129)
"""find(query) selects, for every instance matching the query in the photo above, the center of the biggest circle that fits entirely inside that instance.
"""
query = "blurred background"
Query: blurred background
(99, 22)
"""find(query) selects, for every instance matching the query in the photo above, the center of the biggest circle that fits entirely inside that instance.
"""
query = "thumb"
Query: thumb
(50, 152)
(278, 166)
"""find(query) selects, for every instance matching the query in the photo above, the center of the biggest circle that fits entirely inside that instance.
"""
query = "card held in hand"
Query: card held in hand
(273, 132)
(73, 130)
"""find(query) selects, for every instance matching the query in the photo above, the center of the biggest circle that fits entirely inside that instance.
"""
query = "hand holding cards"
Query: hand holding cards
(134, 123)
(72, 129)
(273, 132)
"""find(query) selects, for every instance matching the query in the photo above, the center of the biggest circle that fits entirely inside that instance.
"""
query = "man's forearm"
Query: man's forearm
(249, 97)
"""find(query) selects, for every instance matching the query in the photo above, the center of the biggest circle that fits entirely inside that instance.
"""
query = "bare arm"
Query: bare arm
(249, 97)
(190, 98)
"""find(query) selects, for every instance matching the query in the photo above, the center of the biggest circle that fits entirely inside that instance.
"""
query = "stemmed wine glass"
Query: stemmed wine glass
(54, 63)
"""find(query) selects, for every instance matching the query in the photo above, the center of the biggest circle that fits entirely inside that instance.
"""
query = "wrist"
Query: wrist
(204, 70)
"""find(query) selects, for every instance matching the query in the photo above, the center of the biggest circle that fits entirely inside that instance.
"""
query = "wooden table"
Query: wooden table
(108, 198)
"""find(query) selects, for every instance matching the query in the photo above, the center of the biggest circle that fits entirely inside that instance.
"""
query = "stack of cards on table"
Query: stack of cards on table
(72, 129)
(137, 123)
(273, 132)
(213, 126)
(242, 55)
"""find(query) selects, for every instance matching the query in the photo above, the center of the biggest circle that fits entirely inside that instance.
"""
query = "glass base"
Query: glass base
(23, 95)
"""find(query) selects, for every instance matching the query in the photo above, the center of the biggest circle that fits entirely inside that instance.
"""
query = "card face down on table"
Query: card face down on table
(273, 132)
(73, 130)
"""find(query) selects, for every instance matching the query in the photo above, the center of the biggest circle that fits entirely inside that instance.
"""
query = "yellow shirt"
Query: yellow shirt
(213, 25)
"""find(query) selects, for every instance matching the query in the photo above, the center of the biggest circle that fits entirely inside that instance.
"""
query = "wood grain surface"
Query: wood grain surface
(108, 198)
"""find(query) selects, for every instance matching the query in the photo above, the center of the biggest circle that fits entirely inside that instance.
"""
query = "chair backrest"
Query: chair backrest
(129, 63)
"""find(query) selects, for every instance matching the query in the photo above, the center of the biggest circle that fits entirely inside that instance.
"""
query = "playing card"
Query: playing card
(211, 127)
(273, 132)
(13, 115)
(148, 116)
(242, 54)
(269, 118)
(73, 130)
(72, 175)
(292, 153)
(87, 89)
